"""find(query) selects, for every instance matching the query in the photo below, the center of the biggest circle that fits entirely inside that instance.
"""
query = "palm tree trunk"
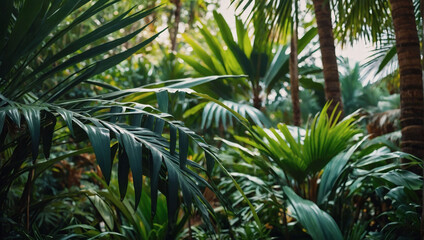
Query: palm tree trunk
(173, 34)
(328, 53)
(257, 100)
(411, 83)
(422, 31)
(294, 74)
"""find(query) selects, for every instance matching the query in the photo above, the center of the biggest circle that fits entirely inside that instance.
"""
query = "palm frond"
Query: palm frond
(370, 20)
(303, 156)
(143, 145)
(213, 111)
(26, 64)
(383, 58)
(274, 18)
(146, 140)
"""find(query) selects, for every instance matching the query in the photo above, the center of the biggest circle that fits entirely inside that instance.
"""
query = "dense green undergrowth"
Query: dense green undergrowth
(97, 142)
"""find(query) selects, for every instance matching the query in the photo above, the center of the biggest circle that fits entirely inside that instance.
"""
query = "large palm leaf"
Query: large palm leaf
(145, 138)
(136, 134)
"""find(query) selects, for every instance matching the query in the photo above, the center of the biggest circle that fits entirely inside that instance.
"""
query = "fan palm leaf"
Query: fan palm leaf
(305, 156)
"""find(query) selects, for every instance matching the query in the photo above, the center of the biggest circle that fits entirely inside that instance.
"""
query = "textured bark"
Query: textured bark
(328, 53)
(294, 77)
(257, 99)
(422, 31)
(411, 83)
(174, 30)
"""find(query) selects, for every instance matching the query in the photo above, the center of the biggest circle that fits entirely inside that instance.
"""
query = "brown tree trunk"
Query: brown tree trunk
(174, 30)
(192, 15)
(257, 100)
(294, 76)
(328, 53)
(422, 31)
(411, 83)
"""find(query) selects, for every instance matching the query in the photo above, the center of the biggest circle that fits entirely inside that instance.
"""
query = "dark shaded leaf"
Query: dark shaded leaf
(134, 152)
(115, 109)
(100, 139)
(183, 141)
(172, 139)
(172, 196)
(159, 126)
(2, 119)
(33, 120)
(149, 122)
(47, 133)
(162, 97)
(136, 120)
(156, 164)
(123, 171)
(210, 162)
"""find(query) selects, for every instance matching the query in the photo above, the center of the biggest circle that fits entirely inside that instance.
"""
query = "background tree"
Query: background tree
(278, 15)
(294, 70)
(407, 48)
(328, 53)
(411, 82)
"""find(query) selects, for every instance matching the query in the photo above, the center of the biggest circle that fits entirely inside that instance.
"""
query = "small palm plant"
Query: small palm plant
(292, 163)
(303, 157)
(328, 178)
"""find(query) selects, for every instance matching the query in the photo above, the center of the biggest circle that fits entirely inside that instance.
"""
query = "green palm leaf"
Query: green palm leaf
(213, 111)
(318, 223)
(307, 155)
(138, 132)
(132, 140)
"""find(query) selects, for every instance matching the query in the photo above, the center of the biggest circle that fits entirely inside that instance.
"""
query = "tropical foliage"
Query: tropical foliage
(169, 120)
